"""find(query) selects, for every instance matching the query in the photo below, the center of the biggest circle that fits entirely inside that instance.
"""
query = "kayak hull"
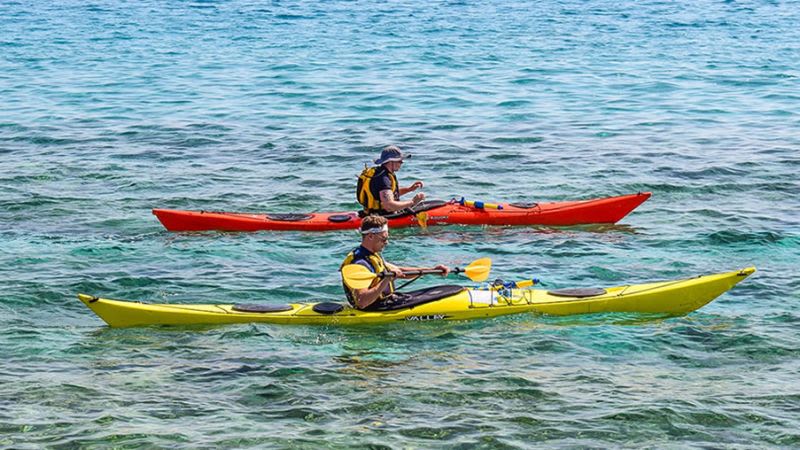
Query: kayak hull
(595, 211)
(665, 297)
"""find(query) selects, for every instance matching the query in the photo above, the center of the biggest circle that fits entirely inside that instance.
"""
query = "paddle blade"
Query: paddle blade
(357, 276)
(422, 220)
(479, 269)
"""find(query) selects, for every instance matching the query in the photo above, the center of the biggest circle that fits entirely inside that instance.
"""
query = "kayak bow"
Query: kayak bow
(666, 297)
(595, 211)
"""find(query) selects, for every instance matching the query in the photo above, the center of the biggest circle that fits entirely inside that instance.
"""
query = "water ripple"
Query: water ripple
(109, 112)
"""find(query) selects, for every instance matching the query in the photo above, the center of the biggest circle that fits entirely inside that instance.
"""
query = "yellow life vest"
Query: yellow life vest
(364, 194)
(378, 265)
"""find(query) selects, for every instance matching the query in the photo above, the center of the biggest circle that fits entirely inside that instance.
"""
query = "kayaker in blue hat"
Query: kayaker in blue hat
(378, 190)
(374, 237)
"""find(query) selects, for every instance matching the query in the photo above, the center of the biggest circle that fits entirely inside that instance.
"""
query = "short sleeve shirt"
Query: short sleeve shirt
(381, 181)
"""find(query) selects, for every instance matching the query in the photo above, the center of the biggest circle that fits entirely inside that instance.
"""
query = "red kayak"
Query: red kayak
(427, 213)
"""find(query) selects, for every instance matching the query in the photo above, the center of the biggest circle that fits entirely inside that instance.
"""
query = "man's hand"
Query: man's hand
(396, 273)
(445, 270)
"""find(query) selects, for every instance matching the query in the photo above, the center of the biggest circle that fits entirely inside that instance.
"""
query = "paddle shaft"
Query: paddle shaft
(418, 273)
(421, 272)
(357, 276)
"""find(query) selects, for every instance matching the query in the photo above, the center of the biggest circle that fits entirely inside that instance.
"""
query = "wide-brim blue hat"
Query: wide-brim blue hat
(391, 153)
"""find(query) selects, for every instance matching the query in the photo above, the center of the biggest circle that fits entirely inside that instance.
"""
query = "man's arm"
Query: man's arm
(445, 270)
(389, 203)
(405, 190)
(367, 296)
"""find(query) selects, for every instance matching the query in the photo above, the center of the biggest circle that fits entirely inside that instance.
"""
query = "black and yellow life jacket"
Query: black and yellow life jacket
(371, 201)
(374, 260)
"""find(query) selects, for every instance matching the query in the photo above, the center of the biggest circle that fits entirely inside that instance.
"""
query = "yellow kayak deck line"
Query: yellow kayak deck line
(665, 297)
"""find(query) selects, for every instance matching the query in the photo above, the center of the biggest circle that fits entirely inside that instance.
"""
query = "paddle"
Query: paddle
(357, 276)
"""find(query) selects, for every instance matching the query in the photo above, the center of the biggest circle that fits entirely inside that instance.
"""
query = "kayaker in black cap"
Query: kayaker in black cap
(374, 237)
(378, 190)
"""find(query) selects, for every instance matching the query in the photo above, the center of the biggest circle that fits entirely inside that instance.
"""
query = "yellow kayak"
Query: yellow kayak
(438, 303)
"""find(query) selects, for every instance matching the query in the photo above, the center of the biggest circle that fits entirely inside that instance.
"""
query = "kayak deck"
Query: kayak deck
(665, 297)
(595, 211)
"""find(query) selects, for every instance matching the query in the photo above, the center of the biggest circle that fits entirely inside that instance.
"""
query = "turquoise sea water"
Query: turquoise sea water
(109, 109)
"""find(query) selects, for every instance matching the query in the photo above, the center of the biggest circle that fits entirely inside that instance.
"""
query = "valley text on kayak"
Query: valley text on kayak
(381, 290)
(378, 190)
